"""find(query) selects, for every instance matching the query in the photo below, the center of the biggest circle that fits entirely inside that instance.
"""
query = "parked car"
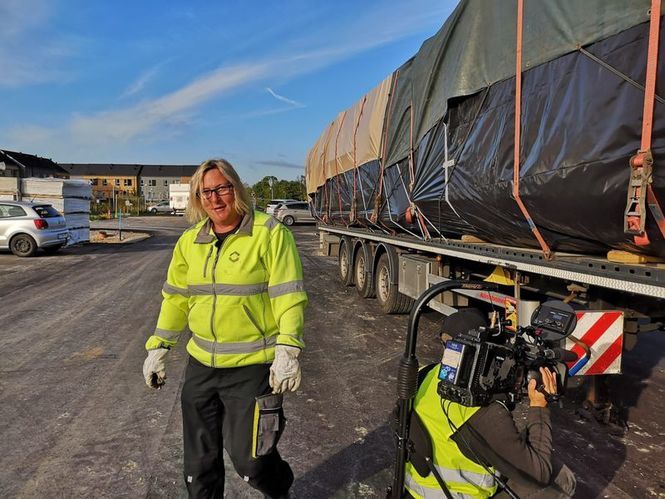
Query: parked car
(290, 213)
(26, 227)
(163, 207)
(283, 205)
(270, 207)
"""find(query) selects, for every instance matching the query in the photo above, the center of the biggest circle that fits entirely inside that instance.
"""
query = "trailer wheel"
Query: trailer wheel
(344, 262)
(363, 275)
(389, 298)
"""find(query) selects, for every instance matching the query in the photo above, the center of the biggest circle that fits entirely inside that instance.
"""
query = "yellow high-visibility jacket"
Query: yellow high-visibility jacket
(464, 478)
(238, 300)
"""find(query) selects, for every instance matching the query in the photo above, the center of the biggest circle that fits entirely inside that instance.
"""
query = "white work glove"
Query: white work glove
(154, 367)
(285, 369)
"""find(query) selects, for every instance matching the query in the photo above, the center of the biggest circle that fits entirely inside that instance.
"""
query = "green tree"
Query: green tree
(280, 189)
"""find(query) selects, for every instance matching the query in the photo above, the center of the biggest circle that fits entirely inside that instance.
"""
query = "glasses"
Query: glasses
(220, 190)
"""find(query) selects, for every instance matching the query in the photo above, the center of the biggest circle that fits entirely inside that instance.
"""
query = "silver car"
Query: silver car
(290, 213)
(163, 207)
(25, 227)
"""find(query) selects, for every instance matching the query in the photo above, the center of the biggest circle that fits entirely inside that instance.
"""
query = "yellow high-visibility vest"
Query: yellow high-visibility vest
(239, 299)
(464, 478)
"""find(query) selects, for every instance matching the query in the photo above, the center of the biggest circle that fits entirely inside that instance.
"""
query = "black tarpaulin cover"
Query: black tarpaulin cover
(581, 122)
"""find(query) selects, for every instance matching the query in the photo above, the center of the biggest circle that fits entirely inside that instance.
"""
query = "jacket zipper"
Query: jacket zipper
(214, 307)
(214, 296)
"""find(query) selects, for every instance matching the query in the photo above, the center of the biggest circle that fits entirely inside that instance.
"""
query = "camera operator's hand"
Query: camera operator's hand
(536, 393)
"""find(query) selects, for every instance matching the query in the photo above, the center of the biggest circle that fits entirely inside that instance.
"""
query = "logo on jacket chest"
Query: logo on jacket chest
(234, 257)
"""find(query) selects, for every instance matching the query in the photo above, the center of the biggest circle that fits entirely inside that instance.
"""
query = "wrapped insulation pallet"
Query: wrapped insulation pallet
(431, 151)
(8, 188)
(70, 197)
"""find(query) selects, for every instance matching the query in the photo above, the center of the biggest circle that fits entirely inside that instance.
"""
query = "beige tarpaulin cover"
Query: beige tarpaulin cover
(333, 152)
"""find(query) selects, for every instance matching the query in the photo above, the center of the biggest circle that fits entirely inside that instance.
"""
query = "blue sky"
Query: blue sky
(173, 82)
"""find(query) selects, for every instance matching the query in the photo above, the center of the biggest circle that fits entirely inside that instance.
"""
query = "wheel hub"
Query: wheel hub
(382, 290)
(360, 272)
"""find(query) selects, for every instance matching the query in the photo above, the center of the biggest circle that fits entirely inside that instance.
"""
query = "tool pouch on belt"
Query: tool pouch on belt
(269, 423)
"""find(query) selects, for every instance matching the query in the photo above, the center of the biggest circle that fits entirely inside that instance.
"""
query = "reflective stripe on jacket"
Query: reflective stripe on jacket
(464, 478)
(238, 300)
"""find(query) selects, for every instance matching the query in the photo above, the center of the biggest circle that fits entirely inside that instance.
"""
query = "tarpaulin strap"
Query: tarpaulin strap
(353, 215)
(547, 253)
(412, 173)
(640, 190)
(326, 195)
(423, 227)
(386, 124)
(339, 189)
(324, 208)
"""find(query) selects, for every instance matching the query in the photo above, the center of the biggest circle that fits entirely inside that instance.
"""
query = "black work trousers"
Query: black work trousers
(218, 410)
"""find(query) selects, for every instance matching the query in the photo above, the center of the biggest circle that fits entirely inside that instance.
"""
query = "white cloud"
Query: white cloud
(139, 84)
(19, 16)
(282, 164)
(168, 113)
(284, 99)
(170, 110)
(29, 53)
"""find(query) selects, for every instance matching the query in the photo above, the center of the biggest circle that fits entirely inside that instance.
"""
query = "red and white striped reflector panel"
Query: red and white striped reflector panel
(603, 333)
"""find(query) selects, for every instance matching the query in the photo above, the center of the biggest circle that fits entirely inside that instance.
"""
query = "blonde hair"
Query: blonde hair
(195, 211)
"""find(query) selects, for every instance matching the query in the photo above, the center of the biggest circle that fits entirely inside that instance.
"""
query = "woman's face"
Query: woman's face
(218, 198)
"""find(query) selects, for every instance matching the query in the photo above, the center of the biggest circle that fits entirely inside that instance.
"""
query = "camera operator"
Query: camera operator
(473, 446)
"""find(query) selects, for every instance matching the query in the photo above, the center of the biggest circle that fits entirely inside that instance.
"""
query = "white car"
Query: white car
(290, 213)
(270, 207)
(26, 227)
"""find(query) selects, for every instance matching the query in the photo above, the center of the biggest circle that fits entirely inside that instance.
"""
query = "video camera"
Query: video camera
(483, 364)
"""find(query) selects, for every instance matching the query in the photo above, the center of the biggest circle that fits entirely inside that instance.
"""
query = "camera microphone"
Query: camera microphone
(562, 355)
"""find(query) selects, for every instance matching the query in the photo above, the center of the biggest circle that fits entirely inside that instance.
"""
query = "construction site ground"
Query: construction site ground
(78, 421)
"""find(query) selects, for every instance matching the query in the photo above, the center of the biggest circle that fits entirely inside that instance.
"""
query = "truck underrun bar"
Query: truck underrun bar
(547, 252)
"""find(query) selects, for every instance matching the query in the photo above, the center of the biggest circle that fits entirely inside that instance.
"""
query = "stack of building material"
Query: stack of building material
(70, 197)
(8, 188)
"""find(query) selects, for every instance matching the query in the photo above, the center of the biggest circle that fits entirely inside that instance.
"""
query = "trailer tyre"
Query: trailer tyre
(389, 298)
(363, 275)
(344, 262)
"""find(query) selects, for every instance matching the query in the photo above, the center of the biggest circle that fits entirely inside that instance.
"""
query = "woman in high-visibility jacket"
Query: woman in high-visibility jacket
(235, 281)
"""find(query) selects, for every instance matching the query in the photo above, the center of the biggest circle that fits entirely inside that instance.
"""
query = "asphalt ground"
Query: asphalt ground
(77, 421)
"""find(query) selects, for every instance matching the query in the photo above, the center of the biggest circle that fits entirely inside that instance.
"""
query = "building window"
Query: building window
(117, 182)
(142, 182)
(128, 182)
(93, 181)
(166, 183)
(152, 182)
(105, 182)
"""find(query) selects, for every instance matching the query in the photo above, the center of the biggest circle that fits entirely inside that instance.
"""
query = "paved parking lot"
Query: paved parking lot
(78, 421)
